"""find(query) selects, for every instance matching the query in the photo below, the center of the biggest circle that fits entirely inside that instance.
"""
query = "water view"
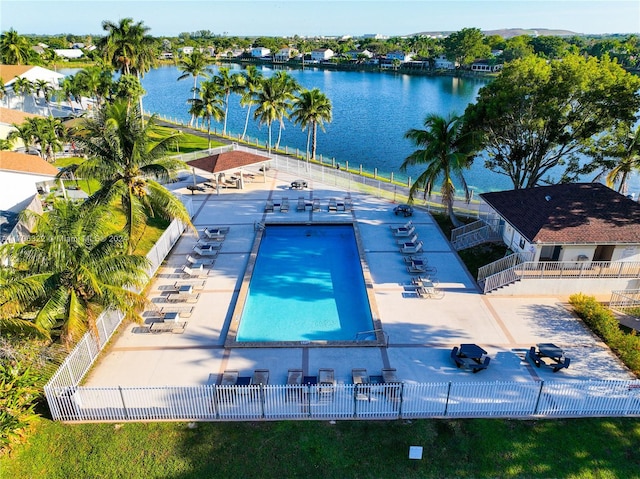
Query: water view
(371, 113)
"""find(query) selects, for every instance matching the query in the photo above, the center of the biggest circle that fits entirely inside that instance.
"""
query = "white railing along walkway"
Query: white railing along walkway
(503, 264)
(562, 270)
(348, 401)
(625, 299)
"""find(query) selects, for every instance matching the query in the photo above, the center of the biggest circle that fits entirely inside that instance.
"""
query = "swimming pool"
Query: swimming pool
(305, 285)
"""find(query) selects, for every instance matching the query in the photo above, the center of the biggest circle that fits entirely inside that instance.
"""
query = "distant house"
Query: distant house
(441, 63)
(571, 232)
(399, 55)
(357, 54)
(485, 66)
(8, 118)
(185, 50)
(69, 53)
(165, 56)
(321, 54)
(259, 52)
(285, 54)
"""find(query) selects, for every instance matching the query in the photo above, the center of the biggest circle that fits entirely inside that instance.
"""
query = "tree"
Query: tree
(44, 133)
(96, 82)
(127, 157)
(517, 47)
(287, 86)
(23, 87)
(466, 46)
(537, 115)
(68, 273)
(617, 155)
(44, 87)
(447, 151)
(228, 84)
(129, 48)
(194, 65)
(311, 109)
(272, 103)
(70, 91)
(14, 48)
(209, 105)
(252, 82)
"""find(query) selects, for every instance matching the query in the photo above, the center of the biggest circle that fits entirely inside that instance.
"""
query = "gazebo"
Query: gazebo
(233, 161)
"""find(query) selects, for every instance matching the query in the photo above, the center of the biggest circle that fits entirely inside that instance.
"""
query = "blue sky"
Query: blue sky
(327, 17)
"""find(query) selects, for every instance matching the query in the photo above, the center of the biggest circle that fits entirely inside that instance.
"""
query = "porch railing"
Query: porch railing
(562, 270)
(347, 401)
(503, 264)
(475, 233)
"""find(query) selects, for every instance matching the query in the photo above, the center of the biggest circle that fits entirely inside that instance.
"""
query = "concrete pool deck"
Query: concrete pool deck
(421, 332)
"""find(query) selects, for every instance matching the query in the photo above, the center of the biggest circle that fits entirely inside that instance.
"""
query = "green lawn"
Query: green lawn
(189, 143)
(579, 448)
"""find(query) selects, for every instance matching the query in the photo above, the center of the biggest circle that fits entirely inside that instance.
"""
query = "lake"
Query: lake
(371, 113)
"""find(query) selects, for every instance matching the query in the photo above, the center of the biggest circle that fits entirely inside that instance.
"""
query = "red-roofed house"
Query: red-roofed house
(584, 234)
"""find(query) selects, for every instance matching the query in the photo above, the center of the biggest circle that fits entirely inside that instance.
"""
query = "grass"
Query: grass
(578, 448)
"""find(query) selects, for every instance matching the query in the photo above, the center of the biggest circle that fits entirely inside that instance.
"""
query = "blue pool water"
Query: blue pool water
(307, 285)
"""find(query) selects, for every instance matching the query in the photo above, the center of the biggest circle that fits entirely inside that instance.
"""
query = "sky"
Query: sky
(315, 18)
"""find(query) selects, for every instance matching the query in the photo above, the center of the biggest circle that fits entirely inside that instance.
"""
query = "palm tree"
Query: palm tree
(3, 90)
(619, 156)
(288, 86)
(446, 152)
(209, 105)
(127, 157)
(311, 109)
(23, 87)
(14, 48)
(44, 87)
(269, 103)
(194, 65)
(69, 90)
(24, 132)
(69, 273)
(228, 84)
(129, 48)
(252, 82)
(96, 82)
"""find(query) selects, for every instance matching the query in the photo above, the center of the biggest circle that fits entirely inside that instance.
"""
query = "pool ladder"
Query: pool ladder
(373, 332)
(258, 226)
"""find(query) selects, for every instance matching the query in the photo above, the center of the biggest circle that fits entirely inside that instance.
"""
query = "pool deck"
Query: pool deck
(421, 332)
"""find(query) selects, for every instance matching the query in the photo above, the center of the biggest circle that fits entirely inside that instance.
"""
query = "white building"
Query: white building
(69, 53)
(441, 63)
(399, 55)
(321, 54)
(28, 103)
(259, 52)
(285, 54)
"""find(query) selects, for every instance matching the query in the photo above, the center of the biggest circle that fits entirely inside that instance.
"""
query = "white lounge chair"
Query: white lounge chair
(194, 272)
(196, 263)
(402, 241)
(405, 226)
(218, 234)
(411, 248)
(206, 250)
(404, 232)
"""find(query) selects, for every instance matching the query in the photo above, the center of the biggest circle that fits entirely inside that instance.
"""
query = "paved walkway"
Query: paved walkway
(421, 332)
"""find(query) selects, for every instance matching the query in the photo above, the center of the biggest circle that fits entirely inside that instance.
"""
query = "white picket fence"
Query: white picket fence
(347, 401)
(78, 362)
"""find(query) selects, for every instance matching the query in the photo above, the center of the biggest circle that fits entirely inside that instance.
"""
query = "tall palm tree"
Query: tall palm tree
(252, 83)
(127, 157)
(194, 65)
(14, 48)
(44, 88)
(24, 132)
(228, 83)
(288, 87)
(69, 90)
(129, 48)
(70, 272)
(3, 90)
(311, 109)
(23, 87)
(209, 105)
(446, 152)
(269, 103)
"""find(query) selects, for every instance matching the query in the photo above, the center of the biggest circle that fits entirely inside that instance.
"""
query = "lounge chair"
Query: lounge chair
(218, 234)
(326, 381)
(333, 206)
(229, 378)
(362, 389)
(195, 285)
(193, 272)
(348, 205)
(434, 292)
(316, 205)
(260, 376)
(284, 207)
(183, 297)
(301, 204)
(294, 380)
(340, 205)
(268, 208)
(413, 239)
(206, 250)
(404, 232)
(405, 226)
(411, 248)
(414, 259)
(196, 263)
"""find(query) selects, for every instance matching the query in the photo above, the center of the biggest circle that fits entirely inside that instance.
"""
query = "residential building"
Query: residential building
(69, 53)
(399, 55)
(485, 66)
(321, 54)
(259, 52)
(442, 63)
(29, 103)
(285, 54)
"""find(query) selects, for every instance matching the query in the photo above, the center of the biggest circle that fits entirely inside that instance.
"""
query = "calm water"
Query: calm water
(371, 113)
(303, 289)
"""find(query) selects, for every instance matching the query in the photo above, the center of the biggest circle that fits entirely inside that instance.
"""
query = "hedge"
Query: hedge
(602, 322)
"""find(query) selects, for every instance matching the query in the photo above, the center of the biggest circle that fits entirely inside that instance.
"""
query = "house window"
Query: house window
(521, 244)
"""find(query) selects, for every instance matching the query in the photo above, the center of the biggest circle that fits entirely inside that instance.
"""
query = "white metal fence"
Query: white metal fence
(625, 300)
(347, 401)
(78, 362)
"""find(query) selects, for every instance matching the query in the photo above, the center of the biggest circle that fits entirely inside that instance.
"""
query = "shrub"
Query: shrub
(606, 326)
